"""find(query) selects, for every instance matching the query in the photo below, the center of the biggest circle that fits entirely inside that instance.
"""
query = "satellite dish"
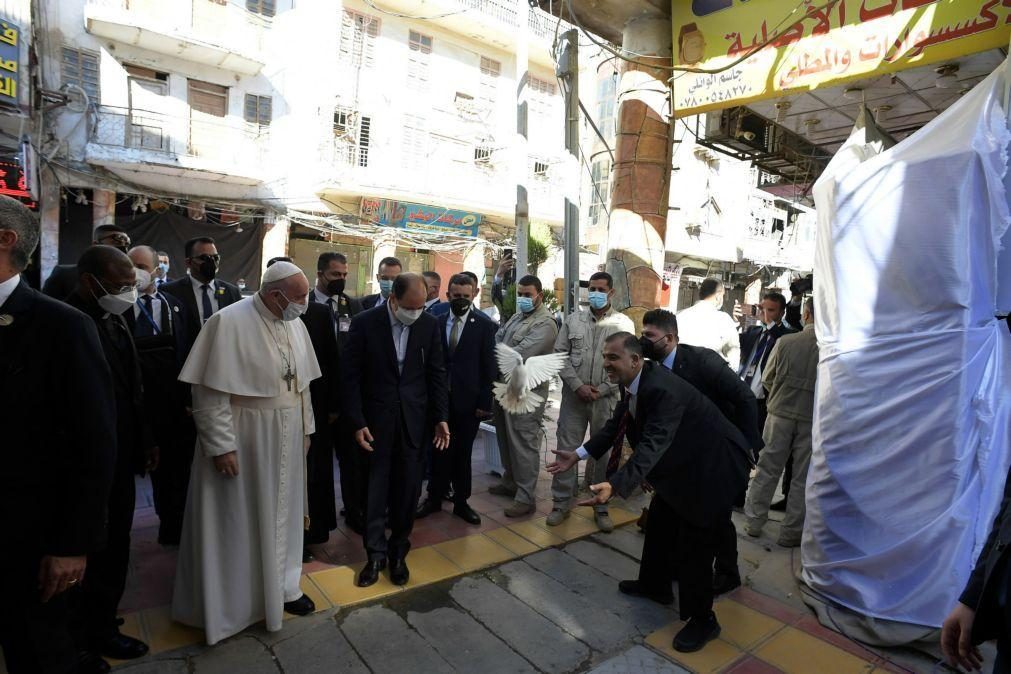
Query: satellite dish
(77, 98)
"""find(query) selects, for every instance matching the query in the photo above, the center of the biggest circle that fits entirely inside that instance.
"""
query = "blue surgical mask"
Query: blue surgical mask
(598, 300)
(525, 304)
(163, 267)
(385, 287)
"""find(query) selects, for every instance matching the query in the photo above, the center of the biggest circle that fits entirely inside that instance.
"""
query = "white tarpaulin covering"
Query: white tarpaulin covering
(911, 431)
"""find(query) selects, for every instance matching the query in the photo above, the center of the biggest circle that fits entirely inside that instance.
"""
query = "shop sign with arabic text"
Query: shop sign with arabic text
(820, 44)
(420, 218)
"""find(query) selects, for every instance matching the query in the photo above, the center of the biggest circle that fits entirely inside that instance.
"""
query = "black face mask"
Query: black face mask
(335, 287)
(208, 269)
(650, 349)
(459, 306)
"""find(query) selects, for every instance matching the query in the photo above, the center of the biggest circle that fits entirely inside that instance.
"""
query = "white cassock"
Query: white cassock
(240, 558)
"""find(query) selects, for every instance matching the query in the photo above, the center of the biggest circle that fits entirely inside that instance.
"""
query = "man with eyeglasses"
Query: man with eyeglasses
(202, 293)
(63, 279)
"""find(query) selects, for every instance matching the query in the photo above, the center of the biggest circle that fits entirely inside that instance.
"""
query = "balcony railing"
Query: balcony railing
(541, 23)
(216, 139)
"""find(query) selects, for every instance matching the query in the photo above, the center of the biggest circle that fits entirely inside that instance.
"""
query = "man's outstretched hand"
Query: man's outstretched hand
(565, 461)
(601, 494)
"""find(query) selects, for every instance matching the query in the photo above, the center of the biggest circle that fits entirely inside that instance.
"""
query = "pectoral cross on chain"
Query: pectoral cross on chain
(288, 378)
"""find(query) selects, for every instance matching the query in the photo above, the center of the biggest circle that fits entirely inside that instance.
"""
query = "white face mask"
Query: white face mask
(293, 310)
(408, 316)
(118, 304)
(143, 279)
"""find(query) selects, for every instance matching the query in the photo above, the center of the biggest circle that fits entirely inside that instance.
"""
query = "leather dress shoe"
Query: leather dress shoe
(370, 572)
(428, 506)
(723, 584)
(91, 663)
(501, 490)
(696, 634)
(121, 647)
(635, 589)
(466, 513)
(301, 606)
(399, 573)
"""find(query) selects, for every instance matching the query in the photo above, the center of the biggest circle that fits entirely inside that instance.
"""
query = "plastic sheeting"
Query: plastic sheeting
(913, 407)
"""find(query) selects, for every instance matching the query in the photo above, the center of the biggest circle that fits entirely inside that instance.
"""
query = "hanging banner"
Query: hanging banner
(420, 218)
(819, 44)
(10, 59)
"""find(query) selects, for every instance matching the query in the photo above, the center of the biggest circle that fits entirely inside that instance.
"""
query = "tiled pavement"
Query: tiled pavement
(508, 596)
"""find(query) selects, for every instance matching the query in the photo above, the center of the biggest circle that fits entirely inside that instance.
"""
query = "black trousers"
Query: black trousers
(94, 605)
(452, 465)
(394, 486)
(354, 473)
(322, 500)
(35, 637)
(172, 478)
(693, 551)
(726, 553)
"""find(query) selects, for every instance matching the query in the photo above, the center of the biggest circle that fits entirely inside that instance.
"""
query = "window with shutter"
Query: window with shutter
(359, 34)
(415, 142)
(261, 7)
(211, 99)
(80, 67)
(419, 57)
(491, 70)
(258, 109)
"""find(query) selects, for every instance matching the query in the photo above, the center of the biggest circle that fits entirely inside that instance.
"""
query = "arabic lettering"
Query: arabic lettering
(8, 34)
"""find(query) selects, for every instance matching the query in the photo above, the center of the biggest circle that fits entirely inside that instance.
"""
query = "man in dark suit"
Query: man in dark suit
(695, 460)
(201, 293)
(707, 371)
(468, 339)
(389, 269)
(983, 612)
(161, 276)
(331, 279)
(395, 394)
(433, 282)
(158, 326)
(105, 291)
(63, 279)
(54, 477)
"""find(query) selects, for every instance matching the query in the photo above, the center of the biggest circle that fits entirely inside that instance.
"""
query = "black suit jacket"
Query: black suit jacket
(325, 390)
(182, 290)
(61, 281)
(472, 367)
(377, 395)
(683, 445)
(750, 337)
(174, 325)
(369, 301)
(348, 306)
(59, 447)
(707, 371)
(981, 591)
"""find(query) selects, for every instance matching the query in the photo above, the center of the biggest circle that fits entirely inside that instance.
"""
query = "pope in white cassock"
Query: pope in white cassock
(240, 559)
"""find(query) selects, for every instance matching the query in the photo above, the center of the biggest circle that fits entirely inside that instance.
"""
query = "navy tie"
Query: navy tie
(208, 309)
(143, 326)
(333, 313)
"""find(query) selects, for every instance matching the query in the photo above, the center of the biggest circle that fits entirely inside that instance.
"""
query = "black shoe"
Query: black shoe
(779, 506)
(466, 513)
(91, 663)
(633, 588)
(696, 634)
(301, 606)
(399, 573)
(723, 584)
(121, 647)
(641, 522)
(370, 572)
(449, 496)
(428, 506)
(307, 556)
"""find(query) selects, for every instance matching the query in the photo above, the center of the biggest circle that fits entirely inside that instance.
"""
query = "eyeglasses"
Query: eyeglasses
(206, 257)
(115, 291)
(117, 239)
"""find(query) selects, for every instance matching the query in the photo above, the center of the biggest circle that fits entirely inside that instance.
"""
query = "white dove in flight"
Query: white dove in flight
(515, 394)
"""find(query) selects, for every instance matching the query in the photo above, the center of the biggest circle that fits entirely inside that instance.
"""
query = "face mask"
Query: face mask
(117, 304)
(241, 285)
(385, 286)
(208, 269)
(525, 304)
(293, 310)
(143, 279)
(408, 316)
(163, 268)
(650, 349)
(598, 300)
(459, 306)
(335, 287)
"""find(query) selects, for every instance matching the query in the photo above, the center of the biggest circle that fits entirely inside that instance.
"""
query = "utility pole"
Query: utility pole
(520, 142)
(568, 73)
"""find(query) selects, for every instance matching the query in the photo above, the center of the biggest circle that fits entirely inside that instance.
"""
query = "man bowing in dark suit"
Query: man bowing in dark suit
(201, 293)
(395, 395)
(54, 477)
(468, 337)
(695, 460)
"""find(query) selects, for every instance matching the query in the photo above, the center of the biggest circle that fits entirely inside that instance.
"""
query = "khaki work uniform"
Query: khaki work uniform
(519, 435)
(582, 337)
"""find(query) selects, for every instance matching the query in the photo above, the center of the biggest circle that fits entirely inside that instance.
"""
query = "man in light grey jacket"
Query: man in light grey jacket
(789, 377)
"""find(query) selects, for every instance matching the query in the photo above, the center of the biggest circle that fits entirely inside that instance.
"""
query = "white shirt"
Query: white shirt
(449, 324)
(668, 362)
(431, 303)
(199, 291)
(633, 391)
(7, 287)
(155, 309)
(401, 333)
(704, 325)
(322, 297)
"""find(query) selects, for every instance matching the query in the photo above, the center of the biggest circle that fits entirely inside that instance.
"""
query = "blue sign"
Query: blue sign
(420, 218)
(10, 58)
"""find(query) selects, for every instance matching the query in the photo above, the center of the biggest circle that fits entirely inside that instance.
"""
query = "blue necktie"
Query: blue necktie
(763, 341)
(208, 309)
(333, 313)
(143, 326)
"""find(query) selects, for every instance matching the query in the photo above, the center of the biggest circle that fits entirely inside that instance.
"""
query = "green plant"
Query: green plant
(508, 305)
(551, 301)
